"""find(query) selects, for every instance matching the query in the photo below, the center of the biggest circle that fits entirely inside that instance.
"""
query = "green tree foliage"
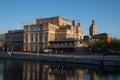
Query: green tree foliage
(115, 45)
(105, 46)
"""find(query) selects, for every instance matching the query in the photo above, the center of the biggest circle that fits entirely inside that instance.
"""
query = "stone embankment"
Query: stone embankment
(108, 60)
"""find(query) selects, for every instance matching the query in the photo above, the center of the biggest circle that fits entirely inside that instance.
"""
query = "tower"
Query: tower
(93, 29)
(80, 31)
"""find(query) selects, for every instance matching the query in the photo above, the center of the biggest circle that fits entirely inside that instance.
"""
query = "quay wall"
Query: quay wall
(86, 59)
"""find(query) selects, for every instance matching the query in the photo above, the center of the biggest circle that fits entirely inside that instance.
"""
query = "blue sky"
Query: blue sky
(106, 13)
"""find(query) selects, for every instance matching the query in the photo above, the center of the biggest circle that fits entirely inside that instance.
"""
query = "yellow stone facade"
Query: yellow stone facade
(38, 36)
(57, 20)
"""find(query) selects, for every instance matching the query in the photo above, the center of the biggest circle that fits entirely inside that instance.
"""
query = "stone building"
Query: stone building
(2, 41)
(102, 37)
(93, 32)
(52, 33)
(14, 40)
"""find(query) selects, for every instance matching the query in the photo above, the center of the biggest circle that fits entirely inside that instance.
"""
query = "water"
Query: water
(40, 70)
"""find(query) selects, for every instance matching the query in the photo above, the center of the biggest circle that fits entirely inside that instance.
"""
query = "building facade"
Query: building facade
(14, 40)
(103, 37)
(93, 32)
(52, 33)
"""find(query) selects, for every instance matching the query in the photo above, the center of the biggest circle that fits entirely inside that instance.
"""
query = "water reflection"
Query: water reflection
(36, 70)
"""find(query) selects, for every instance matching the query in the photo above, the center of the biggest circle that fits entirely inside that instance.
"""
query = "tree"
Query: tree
(106, 47)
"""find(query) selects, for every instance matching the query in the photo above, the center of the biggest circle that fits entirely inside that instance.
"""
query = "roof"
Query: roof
(93, 25)
(100, 35)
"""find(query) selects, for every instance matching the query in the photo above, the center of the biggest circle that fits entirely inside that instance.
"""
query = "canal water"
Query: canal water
(41, 70)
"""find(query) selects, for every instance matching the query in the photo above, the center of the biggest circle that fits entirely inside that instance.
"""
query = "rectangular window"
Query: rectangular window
(45, 39)
(26, 37)
(31, 27)
(31, 37)
(36, 37)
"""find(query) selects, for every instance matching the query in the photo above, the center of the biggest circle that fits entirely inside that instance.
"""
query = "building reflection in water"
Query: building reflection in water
(31, 71)
(19, 70)
(12, 71)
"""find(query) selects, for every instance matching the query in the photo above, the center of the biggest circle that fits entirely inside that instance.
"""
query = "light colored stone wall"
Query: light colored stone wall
(53, 29)
(63, 22)
(57, 20)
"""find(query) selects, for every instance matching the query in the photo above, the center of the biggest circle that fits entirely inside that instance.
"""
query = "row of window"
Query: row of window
(36, 28)
(35, 38)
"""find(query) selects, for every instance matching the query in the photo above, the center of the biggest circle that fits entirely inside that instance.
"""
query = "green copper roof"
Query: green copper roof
(100, 35)
(93, 25)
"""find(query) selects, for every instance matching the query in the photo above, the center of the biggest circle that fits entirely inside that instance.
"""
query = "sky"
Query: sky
(106, 13)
